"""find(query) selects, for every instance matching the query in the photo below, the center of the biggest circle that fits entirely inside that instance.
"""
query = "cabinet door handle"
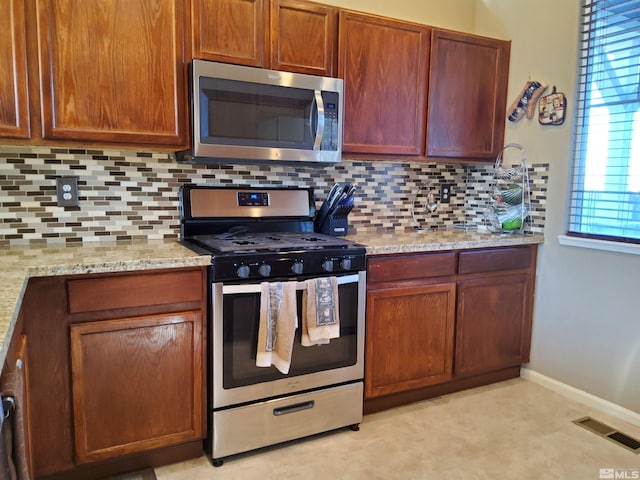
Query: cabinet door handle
(298, 407)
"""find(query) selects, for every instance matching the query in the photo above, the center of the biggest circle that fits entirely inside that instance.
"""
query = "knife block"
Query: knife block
(333, 225)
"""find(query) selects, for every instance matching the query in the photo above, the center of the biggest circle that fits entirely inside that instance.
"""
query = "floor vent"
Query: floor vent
(609, 433)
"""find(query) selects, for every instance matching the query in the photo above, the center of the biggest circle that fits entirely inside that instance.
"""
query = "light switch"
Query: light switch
(67, 191)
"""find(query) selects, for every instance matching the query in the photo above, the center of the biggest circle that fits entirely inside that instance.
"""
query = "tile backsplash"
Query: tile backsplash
(127, 195)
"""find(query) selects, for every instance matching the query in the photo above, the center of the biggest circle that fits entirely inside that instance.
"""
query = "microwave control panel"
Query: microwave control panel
(330, 137)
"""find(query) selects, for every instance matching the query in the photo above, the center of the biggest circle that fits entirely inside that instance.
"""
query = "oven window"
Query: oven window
(256, 115)
(241, 314)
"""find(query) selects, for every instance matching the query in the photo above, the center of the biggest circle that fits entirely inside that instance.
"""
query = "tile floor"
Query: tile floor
(509, 430)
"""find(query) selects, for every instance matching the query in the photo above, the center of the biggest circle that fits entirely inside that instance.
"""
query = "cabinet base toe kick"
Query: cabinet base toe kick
(378, 404)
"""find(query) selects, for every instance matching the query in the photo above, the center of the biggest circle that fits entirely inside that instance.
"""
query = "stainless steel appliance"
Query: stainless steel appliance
(266, 235)
(248, 113)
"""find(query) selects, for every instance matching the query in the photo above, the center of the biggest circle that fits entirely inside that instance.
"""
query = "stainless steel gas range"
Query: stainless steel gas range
(263, 238)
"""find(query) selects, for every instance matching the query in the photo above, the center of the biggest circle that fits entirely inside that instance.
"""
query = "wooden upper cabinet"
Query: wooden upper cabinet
(113, 71)
(288, 35)
(384, 66)
(230, 31)
(468, 78)
(303, 37)
(14, 100)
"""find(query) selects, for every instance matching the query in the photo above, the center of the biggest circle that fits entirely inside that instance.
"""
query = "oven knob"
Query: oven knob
(264, 270)
(327, 265)
(297, 268)
(346, 264)
(243, 271)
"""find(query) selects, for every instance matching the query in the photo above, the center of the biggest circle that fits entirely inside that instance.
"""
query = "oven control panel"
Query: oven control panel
(253, 199)
(285, 266)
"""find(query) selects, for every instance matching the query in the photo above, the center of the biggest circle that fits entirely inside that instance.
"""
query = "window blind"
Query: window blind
(605, 189)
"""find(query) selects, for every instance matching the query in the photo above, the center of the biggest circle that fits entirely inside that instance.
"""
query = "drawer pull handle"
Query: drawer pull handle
(294, 408)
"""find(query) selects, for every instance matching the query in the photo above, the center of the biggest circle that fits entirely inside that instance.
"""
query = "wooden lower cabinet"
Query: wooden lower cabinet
(409, 337)
(14, 384)
(441, 322)
(134, 383)
(116, 371)
(492, 320)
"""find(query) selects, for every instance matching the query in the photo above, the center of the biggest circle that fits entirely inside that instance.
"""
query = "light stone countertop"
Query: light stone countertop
(18, 264)
(431, 241)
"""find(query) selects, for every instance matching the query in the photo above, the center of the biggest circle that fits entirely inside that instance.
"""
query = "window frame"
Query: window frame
(576, 191)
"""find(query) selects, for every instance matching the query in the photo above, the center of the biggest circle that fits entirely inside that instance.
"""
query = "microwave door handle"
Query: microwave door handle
(317, 100)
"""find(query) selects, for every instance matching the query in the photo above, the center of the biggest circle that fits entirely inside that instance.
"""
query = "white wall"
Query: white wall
(586, 330)
(453, 14)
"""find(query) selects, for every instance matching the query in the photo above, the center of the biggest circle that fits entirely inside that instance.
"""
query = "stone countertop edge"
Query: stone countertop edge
(432, 241)
(20, 263)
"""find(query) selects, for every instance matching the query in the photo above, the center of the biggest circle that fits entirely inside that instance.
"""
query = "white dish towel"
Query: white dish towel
(278, 323)
(320, 318)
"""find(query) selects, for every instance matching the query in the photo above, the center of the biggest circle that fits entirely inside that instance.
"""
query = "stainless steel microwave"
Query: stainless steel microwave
(247, 113)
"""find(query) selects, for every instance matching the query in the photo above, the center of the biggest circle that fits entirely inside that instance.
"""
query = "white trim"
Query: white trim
(581, 396)
(620, 247)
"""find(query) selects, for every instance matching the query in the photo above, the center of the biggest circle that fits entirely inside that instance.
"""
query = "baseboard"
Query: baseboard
(581, 396)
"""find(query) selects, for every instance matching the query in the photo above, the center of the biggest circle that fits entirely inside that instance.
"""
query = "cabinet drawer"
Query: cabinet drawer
(129, 291)
(407, 267)
(492, 260)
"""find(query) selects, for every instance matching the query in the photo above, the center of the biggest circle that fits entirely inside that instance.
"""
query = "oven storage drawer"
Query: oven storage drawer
(245, 428)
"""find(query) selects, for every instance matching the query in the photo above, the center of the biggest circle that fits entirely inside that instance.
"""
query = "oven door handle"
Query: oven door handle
(298, 407)
(255, 287)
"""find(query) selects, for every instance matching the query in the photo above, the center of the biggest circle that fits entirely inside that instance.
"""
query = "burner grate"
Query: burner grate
(270, 242)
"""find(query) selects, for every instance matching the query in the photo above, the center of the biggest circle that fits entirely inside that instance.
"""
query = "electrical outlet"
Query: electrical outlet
(445, 192)
(67, 191)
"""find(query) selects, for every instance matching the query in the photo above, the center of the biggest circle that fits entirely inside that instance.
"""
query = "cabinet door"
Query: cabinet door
(303, 37)
(137, 384)
(409, 341)
(14, 109)
(230, 31)
(493, 323)
(113, 71)
(384, 66)
(468, 78)
(14, 382)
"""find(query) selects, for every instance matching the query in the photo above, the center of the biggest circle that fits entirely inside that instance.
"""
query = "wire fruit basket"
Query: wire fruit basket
(510, 203)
